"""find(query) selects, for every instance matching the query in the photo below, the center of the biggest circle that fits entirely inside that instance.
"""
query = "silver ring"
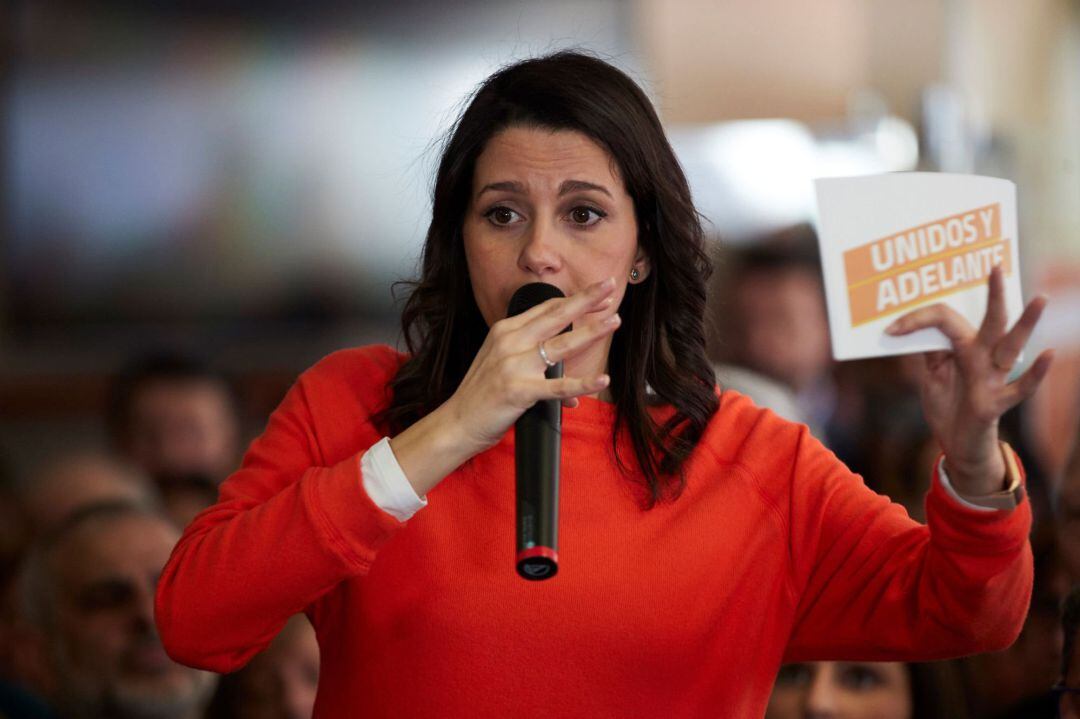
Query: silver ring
(543, 355)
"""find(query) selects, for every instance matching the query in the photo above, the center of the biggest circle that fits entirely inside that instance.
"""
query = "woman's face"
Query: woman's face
(844, 690)
(549, 206)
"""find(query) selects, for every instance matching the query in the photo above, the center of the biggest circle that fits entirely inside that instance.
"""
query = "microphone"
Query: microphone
(537, 436)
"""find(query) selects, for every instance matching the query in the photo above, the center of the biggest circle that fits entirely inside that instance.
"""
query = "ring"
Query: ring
(543, 355)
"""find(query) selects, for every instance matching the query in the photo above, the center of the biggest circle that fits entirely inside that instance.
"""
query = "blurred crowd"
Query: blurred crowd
(84, 537)
(84, 540)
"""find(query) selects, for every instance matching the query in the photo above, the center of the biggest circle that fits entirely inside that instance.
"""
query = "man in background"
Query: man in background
(31, 507)
(58, 489)
(1067, 514)
(1069, 686)
(770, 326)
(178, 420)
(89, 645)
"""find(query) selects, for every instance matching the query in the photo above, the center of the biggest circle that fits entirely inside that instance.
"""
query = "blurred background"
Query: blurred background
(243, 181)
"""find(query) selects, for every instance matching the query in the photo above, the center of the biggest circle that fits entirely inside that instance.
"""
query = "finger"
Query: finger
(1008, 348)
(933, 360)
(572, 309)
(565, 346)
(939, 316)
(566, 388)
(996, 317)
(560, 312)
(1026, 384)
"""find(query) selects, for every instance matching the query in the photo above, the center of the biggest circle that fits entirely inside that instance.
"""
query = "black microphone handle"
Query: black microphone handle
(537, 437)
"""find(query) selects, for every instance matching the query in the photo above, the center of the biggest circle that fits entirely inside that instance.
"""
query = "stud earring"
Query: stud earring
(634, 274)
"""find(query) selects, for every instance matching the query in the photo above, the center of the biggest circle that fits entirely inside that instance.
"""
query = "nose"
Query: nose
(540, 254)
(183, 449)
(142, 609)
(822, 699)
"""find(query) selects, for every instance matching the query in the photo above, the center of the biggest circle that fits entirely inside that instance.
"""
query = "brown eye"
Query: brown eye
(795, 675)
(586, 216)
(861, 677)
(106, 595)
(501, 216)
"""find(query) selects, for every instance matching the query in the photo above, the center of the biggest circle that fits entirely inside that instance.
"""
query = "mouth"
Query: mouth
(149, 659)
(530, 294)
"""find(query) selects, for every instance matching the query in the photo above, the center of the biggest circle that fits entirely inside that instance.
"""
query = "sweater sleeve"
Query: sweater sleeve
(287, 528)
(871, 583)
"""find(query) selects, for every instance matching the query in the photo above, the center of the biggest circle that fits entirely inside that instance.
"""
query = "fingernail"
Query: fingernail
(892, 329)
(603, 380)
(613, 320)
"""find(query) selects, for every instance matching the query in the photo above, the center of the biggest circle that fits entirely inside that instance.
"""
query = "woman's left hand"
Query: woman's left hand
(966, 390)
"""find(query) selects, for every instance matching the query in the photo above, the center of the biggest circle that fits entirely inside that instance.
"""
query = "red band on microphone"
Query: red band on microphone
(538, 552)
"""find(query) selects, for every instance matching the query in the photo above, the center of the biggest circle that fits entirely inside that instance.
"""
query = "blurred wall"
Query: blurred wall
(1020, 65)
(726, 59)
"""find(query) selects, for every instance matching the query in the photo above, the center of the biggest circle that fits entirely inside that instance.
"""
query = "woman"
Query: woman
(702, 540)
(867, 690)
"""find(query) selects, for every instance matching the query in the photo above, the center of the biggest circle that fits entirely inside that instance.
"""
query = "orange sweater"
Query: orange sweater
(774, 552)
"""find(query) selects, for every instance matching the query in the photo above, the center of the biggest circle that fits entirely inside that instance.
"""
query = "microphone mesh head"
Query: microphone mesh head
(530, 295)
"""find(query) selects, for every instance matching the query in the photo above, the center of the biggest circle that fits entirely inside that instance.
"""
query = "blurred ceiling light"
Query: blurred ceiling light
(752, 176)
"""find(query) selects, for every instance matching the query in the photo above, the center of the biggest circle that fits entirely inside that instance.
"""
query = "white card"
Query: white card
(893, 243)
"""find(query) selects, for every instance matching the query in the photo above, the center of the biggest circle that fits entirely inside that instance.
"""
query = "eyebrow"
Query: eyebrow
(565, 188)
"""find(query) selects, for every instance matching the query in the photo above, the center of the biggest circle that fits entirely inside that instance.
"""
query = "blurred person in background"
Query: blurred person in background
(13, 540)
(36, 505)
(770, 318)
(178, 419)
(87, 637)
(1067, 514)
(15, 699)
(1015, 683)
(867, 690)
(278, 683)
(1068, 688)
(61, 487)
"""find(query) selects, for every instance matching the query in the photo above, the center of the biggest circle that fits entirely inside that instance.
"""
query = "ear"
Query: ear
(642, 265)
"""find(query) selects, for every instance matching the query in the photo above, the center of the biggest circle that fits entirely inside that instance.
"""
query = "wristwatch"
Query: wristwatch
(1013, 494)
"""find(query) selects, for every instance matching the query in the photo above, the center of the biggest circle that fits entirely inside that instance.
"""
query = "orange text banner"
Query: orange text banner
(928, 279)
(906, 268)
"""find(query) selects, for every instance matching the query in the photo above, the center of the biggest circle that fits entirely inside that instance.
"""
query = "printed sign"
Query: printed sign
(893, 243)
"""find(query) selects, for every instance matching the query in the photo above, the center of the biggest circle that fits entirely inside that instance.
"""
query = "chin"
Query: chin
(167, 695)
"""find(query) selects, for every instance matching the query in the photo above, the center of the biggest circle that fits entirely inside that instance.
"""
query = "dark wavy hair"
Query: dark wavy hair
(660, 345)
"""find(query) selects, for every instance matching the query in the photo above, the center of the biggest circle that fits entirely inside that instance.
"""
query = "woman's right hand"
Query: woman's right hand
(504, 380)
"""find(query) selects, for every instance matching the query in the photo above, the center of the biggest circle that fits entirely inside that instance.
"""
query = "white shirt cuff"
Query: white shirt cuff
(947, 486)
(386, 484)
